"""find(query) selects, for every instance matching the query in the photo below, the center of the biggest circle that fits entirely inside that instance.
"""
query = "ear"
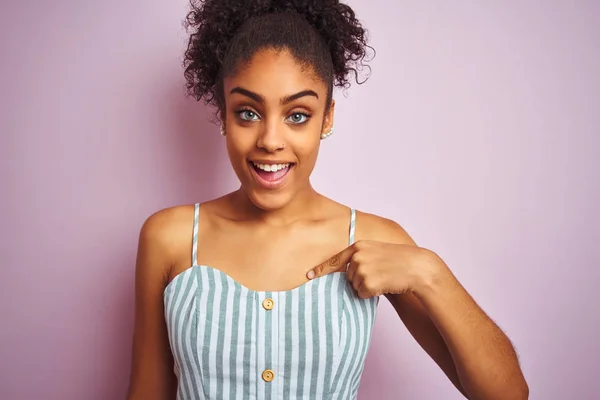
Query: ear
(328, 119)
(222, 118)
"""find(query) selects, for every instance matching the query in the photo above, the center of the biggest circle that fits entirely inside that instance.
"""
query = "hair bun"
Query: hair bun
(213, 23)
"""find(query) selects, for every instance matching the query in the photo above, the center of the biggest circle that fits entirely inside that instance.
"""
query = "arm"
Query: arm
(152, 376)
(467, 345)
(423, 330)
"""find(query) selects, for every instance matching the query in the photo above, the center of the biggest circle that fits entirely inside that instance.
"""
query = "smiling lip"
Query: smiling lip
(270, 184)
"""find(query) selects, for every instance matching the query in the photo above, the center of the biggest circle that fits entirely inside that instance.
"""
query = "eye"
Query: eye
(248, 115)
(298, 118)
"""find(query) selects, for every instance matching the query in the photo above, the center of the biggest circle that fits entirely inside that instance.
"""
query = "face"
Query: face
(275, 113)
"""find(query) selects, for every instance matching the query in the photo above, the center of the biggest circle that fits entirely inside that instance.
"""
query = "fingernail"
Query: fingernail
(311, 274)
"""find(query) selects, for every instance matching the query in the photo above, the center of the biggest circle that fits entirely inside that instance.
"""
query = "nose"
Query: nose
(271, 137)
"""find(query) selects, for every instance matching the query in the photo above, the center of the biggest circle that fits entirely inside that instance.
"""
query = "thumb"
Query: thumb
(336, 263)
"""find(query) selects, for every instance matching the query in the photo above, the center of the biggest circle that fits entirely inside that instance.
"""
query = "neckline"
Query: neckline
(236, 283)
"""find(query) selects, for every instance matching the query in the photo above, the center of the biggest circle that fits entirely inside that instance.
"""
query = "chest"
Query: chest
(269, 260)
(309, 342)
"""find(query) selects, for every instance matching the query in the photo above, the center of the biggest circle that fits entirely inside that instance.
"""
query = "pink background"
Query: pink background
(478, 132)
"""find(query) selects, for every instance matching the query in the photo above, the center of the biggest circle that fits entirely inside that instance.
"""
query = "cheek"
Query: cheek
(239, 143)
(307, 151)
(233, 149)
(237, 152)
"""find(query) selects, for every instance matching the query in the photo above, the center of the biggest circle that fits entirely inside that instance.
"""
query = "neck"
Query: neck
(304, 203)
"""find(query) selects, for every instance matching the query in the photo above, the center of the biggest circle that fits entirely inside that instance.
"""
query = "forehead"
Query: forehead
(275, 74)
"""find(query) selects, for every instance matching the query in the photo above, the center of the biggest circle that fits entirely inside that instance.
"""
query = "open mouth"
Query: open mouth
(271, 176)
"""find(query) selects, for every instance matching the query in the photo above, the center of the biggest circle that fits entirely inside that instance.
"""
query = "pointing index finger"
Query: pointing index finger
(336, 263)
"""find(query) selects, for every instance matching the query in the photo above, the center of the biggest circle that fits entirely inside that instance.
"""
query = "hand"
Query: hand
(377, 268)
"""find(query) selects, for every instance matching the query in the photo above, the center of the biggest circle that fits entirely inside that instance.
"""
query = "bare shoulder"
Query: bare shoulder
(165, 233)
(165, 227)
(381, 229)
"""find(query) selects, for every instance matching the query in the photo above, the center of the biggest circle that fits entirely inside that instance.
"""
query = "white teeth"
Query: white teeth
(271, 167)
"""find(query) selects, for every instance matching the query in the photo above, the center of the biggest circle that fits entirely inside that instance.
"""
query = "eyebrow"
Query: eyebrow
(260, 99)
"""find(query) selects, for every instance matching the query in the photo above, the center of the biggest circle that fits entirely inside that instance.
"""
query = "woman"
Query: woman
(278, 298)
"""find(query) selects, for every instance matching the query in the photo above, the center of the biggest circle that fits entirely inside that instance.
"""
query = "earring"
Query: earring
(325, 135)
(223, 131)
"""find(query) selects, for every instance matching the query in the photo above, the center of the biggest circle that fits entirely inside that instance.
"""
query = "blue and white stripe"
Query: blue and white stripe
(315, 338)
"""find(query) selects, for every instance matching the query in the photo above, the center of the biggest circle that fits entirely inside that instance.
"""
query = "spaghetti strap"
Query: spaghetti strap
(352, 226)
(195, 235)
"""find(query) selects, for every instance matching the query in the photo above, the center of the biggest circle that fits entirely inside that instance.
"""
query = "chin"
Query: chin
(269, 200)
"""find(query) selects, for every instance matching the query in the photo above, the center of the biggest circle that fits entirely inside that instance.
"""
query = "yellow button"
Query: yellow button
(268, 304)
(268, 375)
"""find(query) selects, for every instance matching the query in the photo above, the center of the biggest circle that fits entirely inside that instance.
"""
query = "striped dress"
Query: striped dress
(231, 342)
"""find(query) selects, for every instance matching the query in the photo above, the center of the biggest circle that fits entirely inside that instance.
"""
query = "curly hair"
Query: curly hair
(225, 34)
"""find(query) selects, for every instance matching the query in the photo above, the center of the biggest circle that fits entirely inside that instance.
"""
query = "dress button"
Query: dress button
(268, 375)
(268, 304)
